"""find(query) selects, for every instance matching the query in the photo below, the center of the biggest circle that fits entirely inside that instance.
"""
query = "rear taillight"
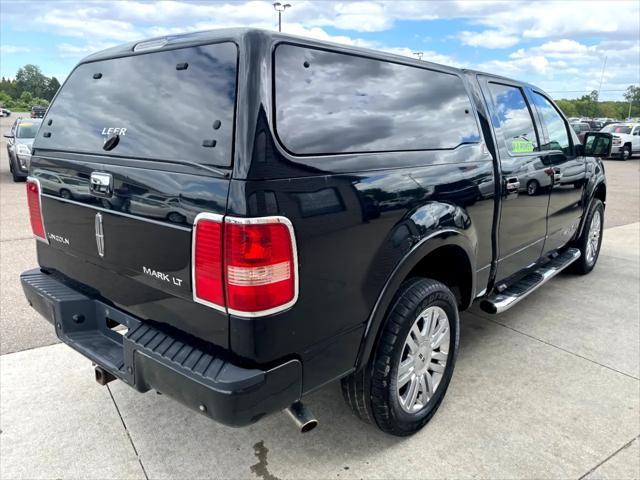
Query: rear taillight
(207, 261)
(35, 209)
(260, 265)
(246, 266)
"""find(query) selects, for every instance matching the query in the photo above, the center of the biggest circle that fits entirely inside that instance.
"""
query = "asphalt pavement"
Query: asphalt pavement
(550, 389)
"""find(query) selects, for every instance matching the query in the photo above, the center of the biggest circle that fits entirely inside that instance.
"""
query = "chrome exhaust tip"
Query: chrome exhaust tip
(302, 417)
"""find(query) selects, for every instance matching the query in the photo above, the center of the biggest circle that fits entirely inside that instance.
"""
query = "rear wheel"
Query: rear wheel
(66, 194)
(176, 217)
(626, 152)
(590, 241)
(410, 369)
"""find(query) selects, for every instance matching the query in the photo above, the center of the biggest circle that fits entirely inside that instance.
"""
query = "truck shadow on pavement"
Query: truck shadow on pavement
(165, 431)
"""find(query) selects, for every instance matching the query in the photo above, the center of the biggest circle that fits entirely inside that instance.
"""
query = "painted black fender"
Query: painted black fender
(596, 181)
(439, 238)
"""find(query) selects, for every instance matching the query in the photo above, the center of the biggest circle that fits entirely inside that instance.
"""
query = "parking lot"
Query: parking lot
(550, 389)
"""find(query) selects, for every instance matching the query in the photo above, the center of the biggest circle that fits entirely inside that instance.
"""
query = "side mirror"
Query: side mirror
(597, 144)
(8, 135)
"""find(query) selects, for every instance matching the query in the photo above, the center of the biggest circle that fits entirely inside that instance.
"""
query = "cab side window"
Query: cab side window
(555, 125)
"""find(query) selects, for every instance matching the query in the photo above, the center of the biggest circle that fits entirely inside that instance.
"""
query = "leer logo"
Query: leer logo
(106, 131)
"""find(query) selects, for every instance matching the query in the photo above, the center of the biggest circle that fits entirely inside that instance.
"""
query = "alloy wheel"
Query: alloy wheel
(593, 241)
(423, 359)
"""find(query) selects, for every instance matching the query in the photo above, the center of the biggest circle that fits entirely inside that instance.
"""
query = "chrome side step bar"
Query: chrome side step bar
(500, 301)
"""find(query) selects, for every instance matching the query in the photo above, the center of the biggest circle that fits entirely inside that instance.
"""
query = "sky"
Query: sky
(559, 46)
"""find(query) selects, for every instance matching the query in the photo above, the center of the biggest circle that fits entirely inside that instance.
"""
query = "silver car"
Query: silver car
(61, 185)
(20, 138)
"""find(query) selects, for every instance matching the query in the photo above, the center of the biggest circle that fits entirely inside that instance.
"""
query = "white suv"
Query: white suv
(626, 139)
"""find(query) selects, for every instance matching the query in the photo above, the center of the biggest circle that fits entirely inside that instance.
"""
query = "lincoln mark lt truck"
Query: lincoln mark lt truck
(298, 213)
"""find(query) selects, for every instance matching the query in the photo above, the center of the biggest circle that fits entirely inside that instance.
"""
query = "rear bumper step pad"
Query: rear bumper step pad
(147, 358)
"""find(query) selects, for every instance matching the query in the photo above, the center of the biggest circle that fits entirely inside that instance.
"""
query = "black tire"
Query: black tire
(175, 217)
(14, 175)
(532, 187)
(372, 391)
(66, 194)
(585, 264)
(626, 153)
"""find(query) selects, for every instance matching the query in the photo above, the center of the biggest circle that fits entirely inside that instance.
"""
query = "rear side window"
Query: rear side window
(328, 102)
(513, 119)
(554, 123)
(165, 105)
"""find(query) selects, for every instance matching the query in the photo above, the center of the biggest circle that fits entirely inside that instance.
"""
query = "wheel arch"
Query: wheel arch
(440, 256)
(598, 191)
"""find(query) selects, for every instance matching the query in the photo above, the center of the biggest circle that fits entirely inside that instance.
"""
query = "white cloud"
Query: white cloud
(504, 23)
(13, 49)
(559, 19)
(488, 39)
(563, 46)
(70, 50)
(567, 68)
(85, 23)
(555, 39)
(534, 64)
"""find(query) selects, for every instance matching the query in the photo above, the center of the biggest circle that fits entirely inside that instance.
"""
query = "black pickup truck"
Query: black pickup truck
(298, 213)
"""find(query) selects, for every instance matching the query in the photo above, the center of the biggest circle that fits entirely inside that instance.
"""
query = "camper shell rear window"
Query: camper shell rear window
(165, 105)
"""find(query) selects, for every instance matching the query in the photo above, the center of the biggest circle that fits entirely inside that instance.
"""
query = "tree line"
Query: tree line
(589, 106)
(30, 87)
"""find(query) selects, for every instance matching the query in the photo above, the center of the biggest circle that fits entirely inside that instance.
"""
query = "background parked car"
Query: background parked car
(38, 111)
(5, 112)
(581, 128)
(609, 122)
(595, 125)
(626, 139)
(20, 138)
(62, 185)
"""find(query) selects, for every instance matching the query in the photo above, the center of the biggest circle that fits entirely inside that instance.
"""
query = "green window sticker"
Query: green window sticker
(521, 145)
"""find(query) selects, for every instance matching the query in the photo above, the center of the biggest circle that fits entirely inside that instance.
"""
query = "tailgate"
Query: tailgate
(131, 150)
(133, 248)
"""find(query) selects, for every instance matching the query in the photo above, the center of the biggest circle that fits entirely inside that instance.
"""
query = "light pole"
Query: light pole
(419, 55)
(604, 65)
(279, 7)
